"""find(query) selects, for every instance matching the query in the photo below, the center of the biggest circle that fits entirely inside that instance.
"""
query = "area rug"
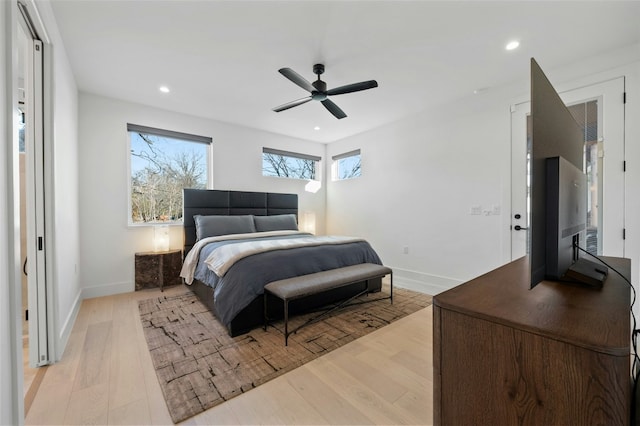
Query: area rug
(199, 366)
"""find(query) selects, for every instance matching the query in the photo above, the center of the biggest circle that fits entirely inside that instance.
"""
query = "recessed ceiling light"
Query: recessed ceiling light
(316, 128)
(512, 45)
(164, 89)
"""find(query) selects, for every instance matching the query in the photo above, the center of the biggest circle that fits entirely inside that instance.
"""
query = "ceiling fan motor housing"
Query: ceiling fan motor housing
(320, 85)
(318, 96)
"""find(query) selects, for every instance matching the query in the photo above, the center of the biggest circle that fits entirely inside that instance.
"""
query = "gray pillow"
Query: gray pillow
(212, 226)
(281, 222)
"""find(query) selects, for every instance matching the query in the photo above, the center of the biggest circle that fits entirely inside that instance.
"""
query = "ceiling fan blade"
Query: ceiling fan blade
(355, 87)
(292, 104)
(334, 109)
(297, 79)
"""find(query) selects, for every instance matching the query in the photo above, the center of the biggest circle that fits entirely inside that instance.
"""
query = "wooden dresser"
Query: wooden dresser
(554, 355)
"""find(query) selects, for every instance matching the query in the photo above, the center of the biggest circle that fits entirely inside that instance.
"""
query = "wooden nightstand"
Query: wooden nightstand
(158, 269)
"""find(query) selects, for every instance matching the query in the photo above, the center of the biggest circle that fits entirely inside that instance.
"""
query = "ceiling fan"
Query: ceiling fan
(319, 92)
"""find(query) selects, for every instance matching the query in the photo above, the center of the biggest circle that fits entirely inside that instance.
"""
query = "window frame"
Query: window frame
(335, 166)
(296, 155)
(184, 137)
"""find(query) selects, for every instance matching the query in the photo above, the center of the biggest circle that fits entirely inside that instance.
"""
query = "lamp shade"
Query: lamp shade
(161, 238)
(313, 186)
(308, 222)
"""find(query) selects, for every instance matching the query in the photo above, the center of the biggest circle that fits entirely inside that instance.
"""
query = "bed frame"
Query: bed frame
(230, 203)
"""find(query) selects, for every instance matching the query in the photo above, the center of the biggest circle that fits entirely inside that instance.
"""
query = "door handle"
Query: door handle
(519, 228)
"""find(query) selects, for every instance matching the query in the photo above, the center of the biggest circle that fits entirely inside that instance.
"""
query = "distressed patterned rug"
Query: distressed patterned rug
(199, 366)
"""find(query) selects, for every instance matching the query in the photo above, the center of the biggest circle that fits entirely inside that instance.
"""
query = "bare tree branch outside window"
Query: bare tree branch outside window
(289, 167)
(349, 167)
(160, 168)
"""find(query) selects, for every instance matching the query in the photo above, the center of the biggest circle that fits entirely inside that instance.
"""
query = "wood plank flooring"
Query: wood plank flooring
(106, 377)
(32, 377)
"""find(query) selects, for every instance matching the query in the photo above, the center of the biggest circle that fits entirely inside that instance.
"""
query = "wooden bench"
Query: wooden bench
(307, 285)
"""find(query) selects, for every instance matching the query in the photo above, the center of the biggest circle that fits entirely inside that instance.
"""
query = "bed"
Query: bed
(218, 223)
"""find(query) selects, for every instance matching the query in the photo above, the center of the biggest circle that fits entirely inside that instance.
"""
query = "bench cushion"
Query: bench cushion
(306, 285)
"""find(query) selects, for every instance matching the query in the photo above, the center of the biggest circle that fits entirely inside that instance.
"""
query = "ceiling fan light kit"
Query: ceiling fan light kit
(319, 92)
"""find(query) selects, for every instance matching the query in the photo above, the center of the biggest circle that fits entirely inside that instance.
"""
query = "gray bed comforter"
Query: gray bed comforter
(246, 279)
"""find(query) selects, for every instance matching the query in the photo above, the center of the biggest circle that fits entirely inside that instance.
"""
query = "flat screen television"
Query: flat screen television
(558, 190)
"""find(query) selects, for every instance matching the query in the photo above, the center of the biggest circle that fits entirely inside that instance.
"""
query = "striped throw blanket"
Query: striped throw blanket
(223, 258)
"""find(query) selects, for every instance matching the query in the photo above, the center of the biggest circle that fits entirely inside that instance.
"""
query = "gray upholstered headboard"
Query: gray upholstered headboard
(229, 203)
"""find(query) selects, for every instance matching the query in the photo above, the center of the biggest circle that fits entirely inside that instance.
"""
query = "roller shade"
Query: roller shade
(291, 154)
(346, 154)
(168, 133)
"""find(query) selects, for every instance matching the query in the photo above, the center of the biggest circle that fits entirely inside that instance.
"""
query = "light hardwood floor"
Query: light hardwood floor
(106, 377)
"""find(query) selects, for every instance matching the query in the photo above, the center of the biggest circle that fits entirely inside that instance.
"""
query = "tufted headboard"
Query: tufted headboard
(230, 203)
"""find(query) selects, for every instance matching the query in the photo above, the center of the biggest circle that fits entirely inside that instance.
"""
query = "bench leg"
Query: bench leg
(286, 322)
(266, 319)
(391, 286)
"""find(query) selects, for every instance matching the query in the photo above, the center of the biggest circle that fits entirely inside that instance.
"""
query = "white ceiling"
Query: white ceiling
(220, 58)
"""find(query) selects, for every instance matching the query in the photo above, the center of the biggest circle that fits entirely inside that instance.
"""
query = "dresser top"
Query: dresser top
(590, 318)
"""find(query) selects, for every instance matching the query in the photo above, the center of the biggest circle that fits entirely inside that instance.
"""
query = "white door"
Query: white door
(604, 150)
(32, 76)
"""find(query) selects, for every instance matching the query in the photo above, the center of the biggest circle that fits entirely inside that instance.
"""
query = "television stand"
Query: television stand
(586, 272)
(556, 354)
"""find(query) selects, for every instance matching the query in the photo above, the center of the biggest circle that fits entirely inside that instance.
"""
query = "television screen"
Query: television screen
(556, 230)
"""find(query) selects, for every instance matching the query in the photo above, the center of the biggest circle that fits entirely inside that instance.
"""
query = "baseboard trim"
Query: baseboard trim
(423, 283)
(65, 332)
(107, 289)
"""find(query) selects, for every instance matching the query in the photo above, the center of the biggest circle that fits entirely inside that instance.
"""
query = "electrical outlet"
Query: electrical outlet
(405, 250)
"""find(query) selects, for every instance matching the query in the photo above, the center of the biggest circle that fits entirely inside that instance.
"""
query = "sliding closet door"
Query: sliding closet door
(35, 266)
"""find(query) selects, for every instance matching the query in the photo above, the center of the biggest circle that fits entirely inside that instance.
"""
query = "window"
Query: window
(347, 165)
(162, 163)
(289, 164)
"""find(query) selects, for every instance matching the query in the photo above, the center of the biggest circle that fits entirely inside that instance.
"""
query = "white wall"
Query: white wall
(421, 176)
(108, 243)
